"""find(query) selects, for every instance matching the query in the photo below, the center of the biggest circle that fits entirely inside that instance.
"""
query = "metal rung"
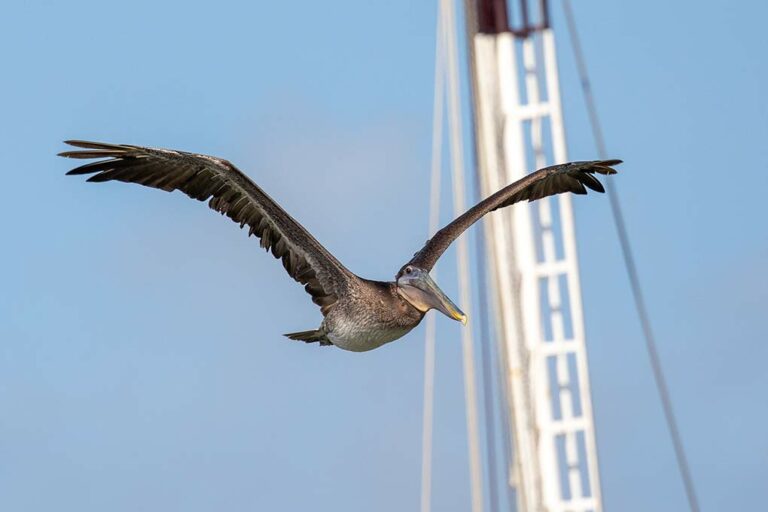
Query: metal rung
(553, 268)
(579, 505)
(555, 348)
(568, 426)
(530, 111)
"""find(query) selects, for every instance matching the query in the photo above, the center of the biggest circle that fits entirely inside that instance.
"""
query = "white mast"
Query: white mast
(532, 262)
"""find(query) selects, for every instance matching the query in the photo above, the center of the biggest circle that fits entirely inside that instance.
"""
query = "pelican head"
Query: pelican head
(415, 286)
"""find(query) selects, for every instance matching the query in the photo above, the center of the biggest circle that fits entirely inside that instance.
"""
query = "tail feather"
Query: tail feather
(317, 335)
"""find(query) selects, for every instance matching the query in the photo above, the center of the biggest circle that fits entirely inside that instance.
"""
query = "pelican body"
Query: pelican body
(376, 312)
(359, 314)
(373, 315)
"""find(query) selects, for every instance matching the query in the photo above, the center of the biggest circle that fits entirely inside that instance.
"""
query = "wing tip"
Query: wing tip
(585, 175)
(90, 144)
(89, 149)
(606, 166)
(592, 183)
(70, 154)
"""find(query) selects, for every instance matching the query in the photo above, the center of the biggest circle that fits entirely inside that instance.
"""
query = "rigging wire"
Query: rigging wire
(486, 331)
(446, 67)
(485, 356)
(483, 287)
(434, 218)
(462, 253)
(629, 262)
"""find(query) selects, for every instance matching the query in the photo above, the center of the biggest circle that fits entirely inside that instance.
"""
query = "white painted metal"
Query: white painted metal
(491, 78)
(532, 256)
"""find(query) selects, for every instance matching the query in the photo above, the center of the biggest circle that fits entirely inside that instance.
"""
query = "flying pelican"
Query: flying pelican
(359, 314)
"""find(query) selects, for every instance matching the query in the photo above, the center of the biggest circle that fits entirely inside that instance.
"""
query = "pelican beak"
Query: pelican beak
(422, 292)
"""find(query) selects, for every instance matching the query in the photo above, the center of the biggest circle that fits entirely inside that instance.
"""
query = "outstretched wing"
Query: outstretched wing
(573, 177)
(233, 194)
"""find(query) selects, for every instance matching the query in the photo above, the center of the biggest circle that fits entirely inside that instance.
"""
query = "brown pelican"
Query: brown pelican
(359, 314)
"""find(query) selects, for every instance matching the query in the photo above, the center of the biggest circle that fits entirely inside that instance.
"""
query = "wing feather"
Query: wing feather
(574, 177)
(232, 194)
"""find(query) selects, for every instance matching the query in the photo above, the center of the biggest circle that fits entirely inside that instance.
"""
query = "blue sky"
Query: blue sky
(141, 360)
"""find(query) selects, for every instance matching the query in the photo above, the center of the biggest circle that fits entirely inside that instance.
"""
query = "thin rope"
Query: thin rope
(462, 253)
(482, 292)
(486, 331)
(485, 356)
(434, 218)
(629, 262)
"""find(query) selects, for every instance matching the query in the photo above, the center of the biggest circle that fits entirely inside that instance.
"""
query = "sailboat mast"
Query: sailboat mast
(531, 253)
